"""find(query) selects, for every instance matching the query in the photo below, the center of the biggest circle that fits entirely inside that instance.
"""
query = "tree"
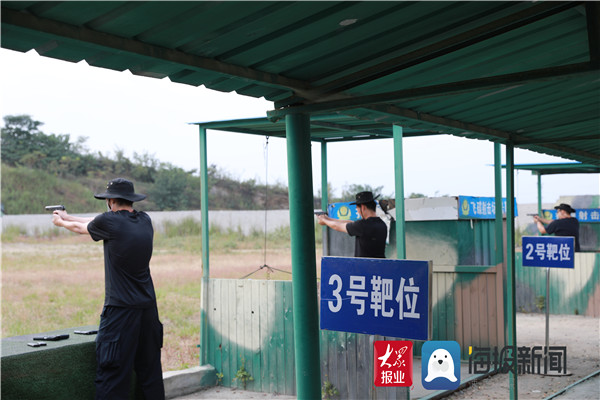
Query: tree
(349, 191)
(24, 144)
(169, 190)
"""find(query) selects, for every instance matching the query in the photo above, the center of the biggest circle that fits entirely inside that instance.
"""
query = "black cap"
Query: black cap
(364, 197)
(565, 207)
(120, 188)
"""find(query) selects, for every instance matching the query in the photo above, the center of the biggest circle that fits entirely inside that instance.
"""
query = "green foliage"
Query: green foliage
(349, 191)
(242, 375)
(169, 191)
(329, 391)
(219, 378)
(40, 169)
(540, 302)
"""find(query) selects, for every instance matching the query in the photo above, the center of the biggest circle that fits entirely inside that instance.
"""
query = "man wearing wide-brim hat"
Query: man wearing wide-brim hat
(370, 231)
(565, 225)
(130, 334)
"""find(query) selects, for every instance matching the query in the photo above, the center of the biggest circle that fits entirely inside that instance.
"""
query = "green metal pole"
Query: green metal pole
(498, 193)
(205, 255)
(510, 264)
(304, 266)
(399, 186)
(539, 184)
(324, 195)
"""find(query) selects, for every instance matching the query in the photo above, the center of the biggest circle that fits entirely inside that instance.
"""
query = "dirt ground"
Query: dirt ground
(581, 336)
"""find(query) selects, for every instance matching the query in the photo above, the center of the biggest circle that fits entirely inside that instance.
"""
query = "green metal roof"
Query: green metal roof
(524, 72)
(559, 168)
(323, 128)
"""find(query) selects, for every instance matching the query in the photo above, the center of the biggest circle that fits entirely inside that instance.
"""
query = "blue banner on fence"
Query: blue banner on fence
(549, 251)
(376, 296)
(480, 207)
(582, 214)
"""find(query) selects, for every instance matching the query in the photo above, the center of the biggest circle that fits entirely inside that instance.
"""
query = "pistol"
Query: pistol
(319, 212)
(59, 207)
(533, 215)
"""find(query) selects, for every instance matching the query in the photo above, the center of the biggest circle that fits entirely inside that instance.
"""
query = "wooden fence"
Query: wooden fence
(572, 291)
(250, 324)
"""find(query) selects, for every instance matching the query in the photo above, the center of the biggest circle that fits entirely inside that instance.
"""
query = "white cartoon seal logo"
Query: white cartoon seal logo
(440, 365)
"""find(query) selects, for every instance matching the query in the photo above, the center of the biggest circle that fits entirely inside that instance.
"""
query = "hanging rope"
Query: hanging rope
(269, 270)
(266, 197)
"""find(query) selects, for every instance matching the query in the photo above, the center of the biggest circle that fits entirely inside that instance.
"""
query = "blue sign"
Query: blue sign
(480, 207)
(549, 251)
(376, 296)
(582, 214)
(343, 211)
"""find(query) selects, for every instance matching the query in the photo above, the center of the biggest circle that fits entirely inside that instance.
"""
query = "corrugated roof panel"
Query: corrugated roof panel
(310, 53)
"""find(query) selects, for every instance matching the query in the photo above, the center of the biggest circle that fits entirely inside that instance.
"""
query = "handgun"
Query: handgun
(533, 215)
(90, 332)
(53, 338)
(58, 207)
(319, 212)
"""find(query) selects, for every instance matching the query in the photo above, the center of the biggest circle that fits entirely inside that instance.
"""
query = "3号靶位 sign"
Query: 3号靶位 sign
(376, 296)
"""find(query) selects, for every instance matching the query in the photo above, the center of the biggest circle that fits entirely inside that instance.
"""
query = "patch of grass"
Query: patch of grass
(52, 282)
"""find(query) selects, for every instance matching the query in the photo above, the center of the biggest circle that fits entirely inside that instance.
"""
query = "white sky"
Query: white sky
(117, 110)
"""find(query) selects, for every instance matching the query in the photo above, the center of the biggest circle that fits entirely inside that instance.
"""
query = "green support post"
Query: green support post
(399, 186)
(324, 195)
(539, 192)
(205, 255)
(304, 266)
(498, 193)
(510, 263)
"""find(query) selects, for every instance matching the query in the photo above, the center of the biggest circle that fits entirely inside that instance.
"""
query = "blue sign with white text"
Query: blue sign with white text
(582, 214)
(549, 251)
(480, 207)
(376, 296)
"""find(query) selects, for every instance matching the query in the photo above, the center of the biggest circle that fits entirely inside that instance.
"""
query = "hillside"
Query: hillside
(27, 190)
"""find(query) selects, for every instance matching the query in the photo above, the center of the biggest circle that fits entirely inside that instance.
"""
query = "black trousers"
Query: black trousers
(129, 339)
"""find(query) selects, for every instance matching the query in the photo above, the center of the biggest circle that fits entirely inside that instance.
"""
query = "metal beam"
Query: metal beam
(457, 42)
(493, 82)
(467, 127)
(205, 248)
(562, 139)
(510, 266)
(120, 44)
(592, 13)
(490, 133)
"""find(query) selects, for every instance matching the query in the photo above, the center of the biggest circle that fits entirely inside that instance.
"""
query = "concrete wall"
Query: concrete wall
(247, 221)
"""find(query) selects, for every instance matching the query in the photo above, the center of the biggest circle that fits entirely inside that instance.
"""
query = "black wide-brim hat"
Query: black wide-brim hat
(566, 207)
(120, 188)
(364, 197)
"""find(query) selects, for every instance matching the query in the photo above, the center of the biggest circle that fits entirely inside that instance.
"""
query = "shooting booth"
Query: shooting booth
(571, 291)
(522, 75)
(252, 321)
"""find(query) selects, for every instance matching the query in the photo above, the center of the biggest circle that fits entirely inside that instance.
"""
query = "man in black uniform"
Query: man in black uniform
(130, 335)
(370, 231)
(565, 225)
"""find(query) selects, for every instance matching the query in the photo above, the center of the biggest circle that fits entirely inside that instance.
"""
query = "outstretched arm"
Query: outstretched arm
(540, 224)
(72, 223)
(335, 224)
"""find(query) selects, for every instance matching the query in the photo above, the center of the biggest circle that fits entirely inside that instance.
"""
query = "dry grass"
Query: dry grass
(57, 283)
